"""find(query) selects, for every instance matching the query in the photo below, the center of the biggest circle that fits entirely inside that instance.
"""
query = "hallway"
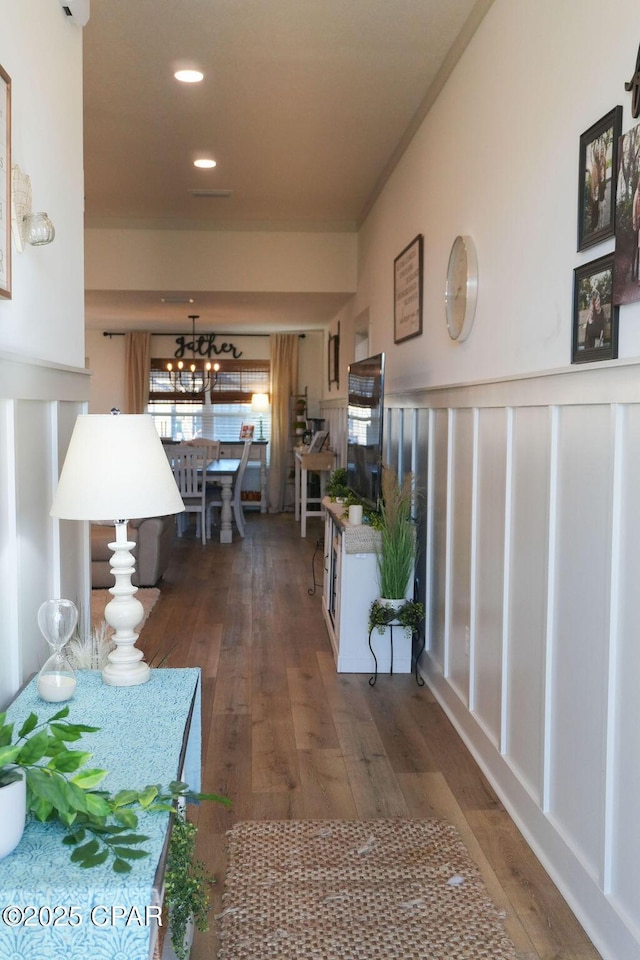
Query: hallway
(286, 737)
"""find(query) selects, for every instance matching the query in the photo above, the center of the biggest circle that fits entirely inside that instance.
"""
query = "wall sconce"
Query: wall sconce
(37, 229)
(27, 227)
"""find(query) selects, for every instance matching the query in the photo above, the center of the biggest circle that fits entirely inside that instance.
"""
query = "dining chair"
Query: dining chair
(236, 494)
(211, 446)
(189, 466)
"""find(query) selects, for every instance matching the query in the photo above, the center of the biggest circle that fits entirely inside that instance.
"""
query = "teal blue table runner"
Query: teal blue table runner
(140, 742)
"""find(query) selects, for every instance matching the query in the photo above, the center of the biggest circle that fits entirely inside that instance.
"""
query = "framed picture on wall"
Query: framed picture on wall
(626, 273)
(595, 318)
(597, 179)
(5, 184)
(407, 291)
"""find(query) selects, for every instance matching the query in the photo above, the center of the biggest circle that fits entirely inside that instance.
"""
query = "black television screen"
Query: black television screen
(364, 428)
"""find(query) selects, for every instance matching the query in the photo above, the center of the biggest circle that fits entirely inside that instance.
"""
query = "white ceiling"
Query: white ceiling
(306, 105)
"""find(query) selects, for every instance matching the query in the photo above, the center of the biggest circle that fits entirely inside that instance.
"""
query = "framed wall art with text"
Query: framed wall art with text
(407, 291)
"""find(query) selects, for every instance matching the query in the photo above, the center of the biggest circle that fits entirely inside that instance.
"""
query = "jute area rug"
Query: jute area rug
(356, 890)
(148, 597)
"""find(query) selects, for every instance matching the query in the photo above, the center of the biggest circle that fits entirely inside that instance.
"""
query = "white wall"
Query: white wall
(529, 568)
(42, 381)
(225, 260)
(497, 158)
(42, 53)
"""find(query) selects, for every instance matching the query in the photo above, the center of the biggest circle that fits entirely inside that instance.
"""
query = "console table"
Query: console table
(148, 734)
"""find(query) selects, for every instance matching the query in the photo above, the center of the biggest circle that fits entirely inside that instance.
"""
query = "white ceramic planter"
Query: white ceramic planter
(391, 604)
(13, 809)
(402, 641)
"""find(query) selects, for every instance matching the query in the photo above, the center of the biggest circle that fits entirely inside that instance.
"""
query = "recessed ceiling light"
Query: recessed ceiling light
(189, 76)
(204, 163)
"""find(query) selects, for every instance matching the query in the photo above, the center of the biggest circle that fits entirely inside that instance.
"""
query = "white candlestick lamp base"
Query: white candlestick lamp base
(125, 667)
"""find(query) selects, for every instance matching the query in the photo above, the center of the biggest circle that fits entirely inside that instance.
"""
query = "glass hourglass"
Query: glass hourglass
(57, 620)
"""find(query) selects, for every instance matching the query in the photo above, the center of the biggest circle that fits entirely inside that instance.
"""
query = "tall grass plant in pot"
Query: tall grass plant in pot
(395, 566)
(397, 553)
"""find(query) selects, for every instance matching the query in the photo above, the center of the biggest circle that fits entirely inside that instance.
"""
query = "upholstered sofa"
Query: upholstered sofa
(153, 538)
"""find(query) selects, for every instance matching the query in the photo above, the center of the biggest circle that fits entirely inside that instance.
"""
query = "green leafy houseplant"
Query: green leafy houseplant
(396, 555)
(409, 615)
(336, 485)
(60, 786)
(186, 884)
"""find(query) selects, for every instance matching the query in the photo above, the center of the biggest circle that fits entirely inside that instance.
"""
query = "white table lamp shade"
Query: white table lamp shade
(115, 469)
(260, 402)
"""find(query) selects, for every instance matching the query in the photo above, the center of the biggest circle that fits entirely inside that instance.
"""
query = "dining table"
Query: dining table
(223, 472)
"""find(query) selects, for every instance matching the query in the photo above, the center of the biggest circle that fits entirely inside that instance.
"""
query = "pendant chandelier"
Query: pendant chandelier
(196, 377)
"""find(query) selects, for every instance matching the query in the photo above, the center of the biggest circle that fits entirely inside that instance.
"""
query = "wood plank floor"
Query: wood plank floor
(286, 737)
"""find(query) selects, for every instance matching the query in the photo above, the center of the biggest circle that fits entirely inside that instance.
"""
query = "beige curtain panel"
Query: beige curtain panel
(137, 365)
(284, 384)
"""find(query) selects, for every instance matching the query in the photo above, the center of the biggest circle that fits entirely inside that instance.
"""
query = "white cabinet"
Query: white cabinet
(350, 586)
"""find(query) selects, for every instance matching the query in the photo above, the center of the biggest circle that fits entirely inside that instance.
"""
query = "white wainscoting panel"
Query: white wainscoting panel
(34, 543)
(335, 418)
(460, 547)
(488, 570)
(622, 844)
(74, 537)
(580, 644)
(527, 598)
(9, 622)
(436, 561)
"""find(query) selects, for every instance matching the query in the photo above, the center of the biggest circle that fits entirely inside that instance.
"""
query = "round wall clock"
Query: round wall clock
(462, 288)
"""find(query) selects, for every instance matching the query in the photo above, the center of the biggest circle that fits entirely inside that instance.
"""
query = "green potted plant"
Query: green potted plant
(59, 785)
(397, 551)
(336, 486)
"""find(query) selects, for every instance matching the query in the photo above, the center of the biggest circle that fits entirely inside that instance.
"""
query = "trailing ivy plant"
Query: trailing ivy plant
(186, 883)
(410, 614)
(60, 786)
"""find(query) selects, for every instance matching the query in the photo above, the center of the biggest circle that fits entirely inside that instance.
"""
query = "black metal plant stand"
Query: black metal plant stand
(391, 624)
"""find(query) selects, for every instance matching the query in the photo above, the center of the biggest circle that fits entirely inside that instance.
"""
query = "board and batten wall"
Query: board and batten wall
(530, 571)
(40, 557)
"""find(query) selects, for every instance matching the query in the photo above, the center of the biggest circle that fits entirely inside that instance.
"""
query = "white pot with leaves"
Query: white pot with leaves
(42, 773)
(13, 809)
(395, 566)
